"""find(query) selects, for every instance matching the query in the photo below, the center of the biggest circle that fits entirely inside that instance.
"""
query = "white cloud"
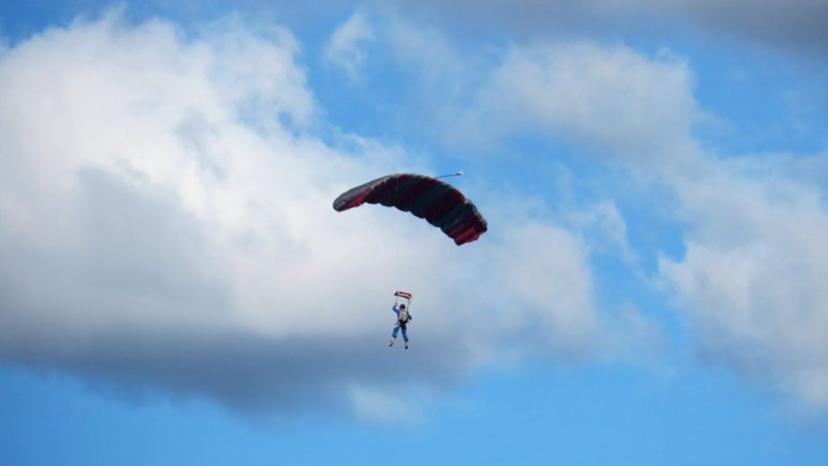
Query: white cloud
(378, 406)
(346, 46)
(751, 284)
(753, 278)
(166, 221)
(604, 227)
(613, 100)
(544, 269)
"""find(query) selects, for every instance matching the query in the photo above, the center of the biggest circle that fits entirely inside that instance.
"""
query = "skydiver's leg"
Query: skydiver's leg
(405, 335)
(393, 336)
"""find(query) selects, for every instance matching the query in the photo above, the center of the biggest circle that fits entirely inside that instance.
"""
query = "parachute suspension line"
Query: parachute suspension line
(459, 173)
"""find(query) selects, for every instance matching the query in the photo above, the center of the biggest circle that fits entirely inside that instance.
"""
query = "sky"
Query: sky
(175, 286)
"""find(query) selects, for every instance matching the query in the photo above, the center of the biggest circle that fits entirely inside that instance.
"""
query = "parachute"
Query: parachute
(439, 203)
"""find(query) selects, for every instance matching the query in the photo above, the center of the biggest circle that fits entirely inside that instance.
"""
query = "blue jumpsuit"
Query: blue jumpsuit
(400, 325)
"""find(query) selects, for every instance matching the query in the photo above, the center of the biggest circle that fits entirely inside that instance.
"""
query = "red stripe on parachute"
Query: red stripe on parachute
(436, 201)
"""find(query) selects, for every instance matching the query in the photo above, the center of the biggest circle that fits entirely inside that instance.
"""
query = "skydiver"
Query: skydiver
(403, 318)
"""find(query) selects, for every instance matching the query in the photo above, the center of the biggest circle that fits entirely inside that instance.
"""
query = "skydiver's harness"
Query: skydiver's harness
(402, 316)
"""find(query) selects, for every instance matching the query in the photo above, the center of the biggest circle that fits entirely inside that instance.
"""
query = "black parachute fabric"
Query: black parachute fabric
(439, 203)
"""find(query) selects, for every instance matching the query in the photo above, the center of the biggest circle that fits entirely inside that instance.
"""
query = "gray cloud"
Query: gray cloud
(253, 374)
(798, 26)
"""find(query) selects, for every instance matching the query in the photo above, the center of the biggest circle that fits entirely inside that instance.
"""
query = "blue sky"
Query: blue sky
(176, 287)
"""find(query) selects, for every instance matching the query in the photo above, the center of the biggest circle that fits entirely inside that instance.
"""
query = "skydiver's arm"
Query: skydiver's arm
(395, 309)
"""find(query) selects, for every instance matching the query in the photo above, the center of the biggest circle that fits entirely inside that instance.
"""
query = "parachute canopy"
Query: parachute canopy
(439, 203)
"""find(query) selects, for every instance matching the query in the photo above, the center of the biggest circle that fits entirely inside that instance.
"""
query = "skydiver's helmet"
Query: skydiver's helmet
(402, 306)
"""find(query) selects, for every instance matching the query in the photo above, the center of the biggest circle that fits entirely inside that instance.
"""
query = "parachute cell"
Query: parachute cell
(439, 203)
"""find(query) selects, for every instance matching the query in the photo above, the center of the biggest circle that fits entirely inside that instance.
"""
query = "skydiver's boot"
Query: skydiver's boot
(406, 345)
(391, 343)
